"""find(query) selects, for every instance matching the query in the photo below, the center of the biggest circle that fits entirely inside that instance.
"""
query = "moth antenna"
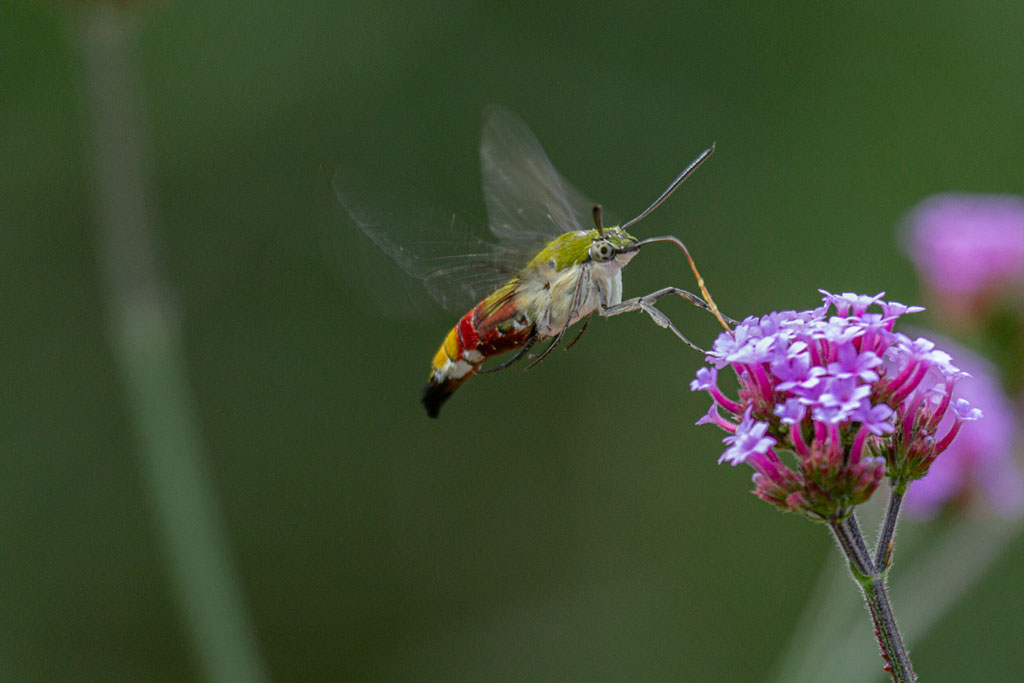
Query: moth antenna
(687, 172)
(675, 183)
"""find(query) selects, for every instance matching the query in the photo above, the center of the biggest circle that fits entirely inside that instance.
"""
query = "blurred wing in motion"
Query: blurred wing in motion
(437, 248)
(528, 205)
(528, 202)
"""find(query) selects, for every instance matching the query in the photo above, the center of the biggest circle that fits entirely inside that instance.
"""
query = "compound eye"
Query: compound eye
(602, 251)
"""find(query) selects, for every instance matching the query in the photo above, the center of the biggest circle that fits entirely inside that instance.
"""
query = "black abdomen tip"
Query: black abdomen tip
(434, 396)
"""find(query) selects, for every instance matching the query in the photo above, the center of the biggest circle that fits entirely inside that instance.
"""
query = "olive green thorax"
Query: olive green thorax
(574, 248)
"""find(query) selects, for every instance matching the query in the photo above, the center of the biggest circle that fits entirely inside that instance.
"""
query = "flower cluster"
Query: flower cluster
(829, 402)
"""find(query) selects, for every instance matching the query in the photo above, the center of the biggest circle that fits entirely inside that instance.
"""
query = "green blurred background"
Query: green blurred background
(565, 524)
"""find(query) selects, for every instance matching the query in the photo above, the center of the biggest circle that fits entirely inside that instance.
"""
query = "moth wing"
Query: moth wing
(441, 250)
(528, 202)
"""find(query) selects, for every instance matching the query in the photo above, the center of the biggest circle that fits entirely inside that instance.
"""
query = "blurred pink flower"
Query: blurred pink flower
(980, 465)
(967, 248)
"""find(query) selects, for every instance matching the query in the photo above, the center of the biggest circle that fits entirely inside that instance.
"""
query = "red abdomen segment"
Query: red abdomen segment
(490, 328)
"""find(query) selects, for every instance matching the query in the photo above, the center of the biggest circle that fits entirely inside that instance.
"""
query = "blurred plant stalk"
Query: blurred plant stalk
(145, 334)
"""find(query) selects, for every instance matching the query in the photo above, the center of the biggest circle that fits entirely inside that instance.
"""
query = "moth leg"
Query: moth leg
(538, 357)
(530, 341)
(646, 304)
(692, 298)
(586, 321)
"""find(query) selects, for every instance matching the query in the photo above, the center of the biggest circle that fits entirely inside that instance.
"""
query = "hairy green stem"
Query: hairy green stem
(883, 551)
(871, 580)
(851, 540)
(889, 638)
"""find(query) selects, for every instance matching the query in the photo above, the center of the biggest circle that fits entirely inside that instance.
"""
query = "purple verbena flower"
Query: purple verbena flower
(850, 304)
(796, 370)
(706, 378)
(851, 363)
(842, 396)
(876, 418)
(748, 439)
(791, 411)
(850, 399)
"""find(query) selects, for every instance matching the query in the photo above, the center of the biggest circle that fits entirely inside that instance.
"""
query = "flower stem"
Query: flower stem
(871, 580)
(889, 638)
(851, 541)
(883, 551)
